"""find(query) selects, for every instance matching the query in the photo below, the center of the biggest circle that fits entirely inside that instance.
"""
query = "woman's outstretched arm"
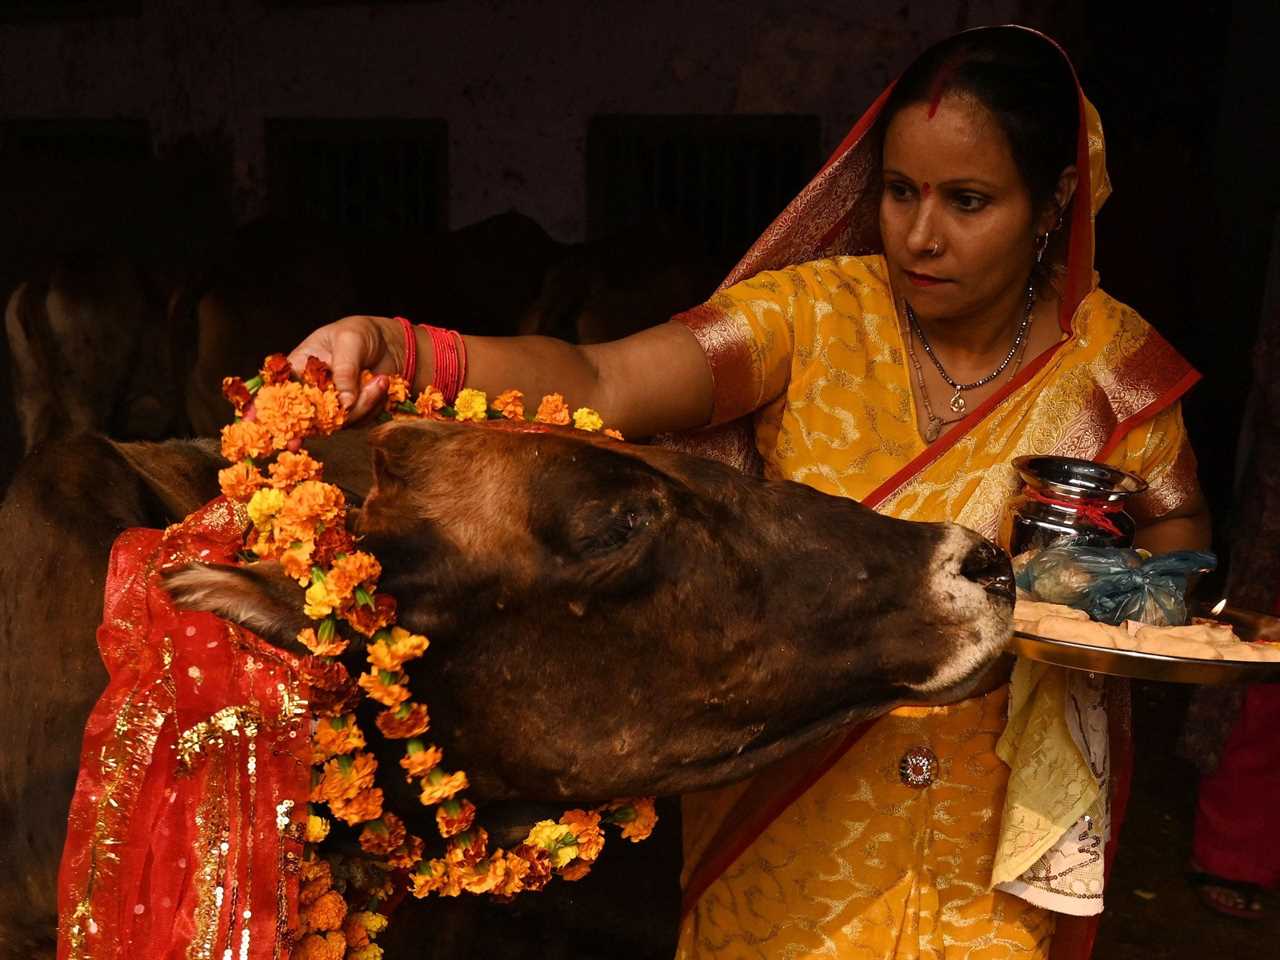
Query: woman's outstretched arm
(651, 382)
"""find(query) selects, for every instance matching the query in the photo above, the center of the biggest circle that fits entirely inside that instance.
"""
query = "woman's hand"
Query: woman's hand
(350, 345)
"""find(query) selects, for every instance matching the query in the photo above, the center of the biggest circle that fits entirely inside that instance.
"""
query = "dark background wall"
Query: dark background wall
(172, 121)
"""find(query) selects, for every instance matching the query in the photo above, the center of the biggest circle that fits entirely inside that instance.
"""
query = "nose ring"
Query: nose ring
(933, 250)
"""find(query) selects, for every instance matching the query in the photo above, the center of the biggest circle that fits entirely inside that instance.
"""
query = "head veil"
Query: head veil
(837, 214)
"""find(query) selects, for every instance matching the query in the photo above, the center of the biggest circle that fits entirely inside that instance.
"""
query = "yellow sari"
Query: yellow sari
(833, 853)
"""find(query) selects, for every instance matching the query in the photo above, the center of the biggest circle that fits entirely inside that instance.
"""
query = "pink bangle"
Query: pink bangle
(410, 351)
(450, 361)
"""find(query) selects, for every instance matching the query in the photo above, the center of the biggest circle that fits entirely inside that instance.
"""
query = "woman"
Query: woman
(968, 331)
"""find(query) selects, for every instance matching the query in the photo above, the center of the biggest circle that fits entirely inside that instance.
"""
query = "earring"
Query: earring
(1042, 244)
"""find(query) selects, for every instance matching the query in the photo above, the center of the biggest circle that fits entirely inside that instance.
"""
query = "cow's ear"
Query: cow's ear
(261, 597)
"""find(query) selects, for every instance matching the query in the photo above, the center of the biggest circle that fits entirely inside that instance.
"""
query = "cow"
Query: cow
(711, 622)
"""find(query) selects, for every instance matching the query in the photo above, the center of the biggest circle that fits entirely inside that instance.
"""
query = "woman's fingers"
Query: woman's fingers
(355, 347)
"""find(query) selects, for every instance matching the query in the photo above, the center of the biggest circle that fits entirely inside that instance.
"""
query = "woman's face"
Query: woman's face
(955, 216)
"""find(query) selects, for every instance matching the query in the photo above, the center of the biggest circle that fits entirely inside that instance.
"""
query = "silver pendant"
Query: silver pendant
(957, 403)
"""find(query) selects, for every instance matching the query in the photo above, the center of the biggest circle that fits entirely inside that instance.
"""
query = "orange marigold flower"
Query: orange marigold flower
(237, 393)
(429, 401)
(484, 876)
(455, 816)
(291, 468)
(307, 504)
(328, 415)
(334, 737)
(327, 913)
(366, 805)
(320, 946)
(585, 826)
(397, 390)
(391, 653)
(244, 440)
(382, 836)
(240, 481)
(388, 692)
(539, 869)
(467, 849)
(345, 777)
(331, 541)
(510, 403)
(437, 786)
(317, 373)
(361, 925)
(418, 763)
(405, 721)
(369, 621)
(552, 409)
(610, 432)
(431, 876)
(407, 857)
(317, 870)
(297, 563)
(637, 816)
(351, 570)
(514, 870)
(576, 870)
(276, 369)
(285, 410)
(333, 648)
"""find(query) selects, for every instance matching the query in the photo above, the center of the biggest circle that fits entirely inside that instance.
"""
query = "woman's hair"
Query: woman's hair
(1026, 84)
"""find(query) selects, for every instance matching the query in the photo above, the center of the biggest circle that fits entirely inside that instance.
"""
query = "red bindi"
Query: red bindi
(924, 191)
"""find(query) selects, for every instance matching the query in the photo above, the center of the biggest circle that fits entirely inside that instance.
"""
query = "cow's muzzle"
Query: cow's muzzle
(988, 566)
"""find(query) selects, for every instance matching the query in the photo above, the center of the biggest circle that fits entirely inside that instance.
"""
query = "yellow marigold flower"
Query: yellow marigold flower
(344, 778)
(584, 418)
(351, 570)
(420, 763)
(264, 505)
(441, 786)
(239, 481)
(403, 647)
(363, 925)
(327, 913)
(370, 951)
(366, 805)
(510, 403)
(318, 601)
(585, 826)
(335, 736)
(291, 468)
(388, 694)
(471, 405)
(245, 439)
(397, 390)
(555, 838)
(285, 410)
(552, 409)
(429, 400)
(320, 946)
(317, 828)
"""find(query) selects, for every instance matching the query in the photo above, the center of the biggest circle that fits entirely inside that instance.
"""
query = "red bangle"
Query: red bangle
(410, 351)
(449, 357)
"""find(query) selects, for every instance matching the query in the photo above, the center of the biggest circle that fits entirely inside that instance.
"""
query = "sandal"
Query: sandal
(1231, 898)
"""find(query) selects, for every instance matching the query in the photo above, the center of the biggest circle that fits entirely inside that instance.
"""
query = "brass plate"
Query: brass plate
(1142, 666)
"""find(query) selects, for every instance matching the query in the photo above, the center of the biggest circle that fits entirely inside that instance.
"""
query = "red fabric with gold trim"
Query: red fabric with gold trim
(182, 839)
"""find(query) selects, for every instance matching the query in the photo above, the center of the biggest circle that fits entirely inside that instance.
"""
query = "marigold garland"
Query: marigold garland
(300, 521)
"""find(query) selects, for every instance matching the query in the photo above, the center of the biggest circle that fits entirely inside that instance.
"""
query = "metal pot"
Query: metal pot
(1065, 498)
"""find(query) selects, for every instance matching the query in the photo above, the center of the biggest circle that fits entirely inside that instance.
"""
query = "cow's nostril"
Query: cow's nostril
(989, 567)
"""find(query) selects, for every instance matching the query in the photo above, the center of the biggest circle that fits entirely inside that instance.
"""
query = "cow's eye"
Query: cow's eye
(616, 530)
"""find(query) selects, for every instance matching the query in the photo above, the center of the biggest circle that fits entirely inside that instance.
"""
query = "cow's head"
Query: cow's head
(609, 620)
